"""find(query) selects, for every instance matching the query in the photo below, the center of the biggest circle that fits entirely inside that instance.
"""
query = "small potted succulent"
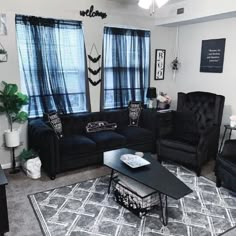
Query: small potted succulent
(3, 55)
(3, 51)
(30, 163)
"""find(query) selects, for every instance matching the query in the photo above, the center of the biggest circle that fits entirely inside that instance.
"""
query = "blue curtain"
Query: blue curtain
(53, 66)
(126, 64)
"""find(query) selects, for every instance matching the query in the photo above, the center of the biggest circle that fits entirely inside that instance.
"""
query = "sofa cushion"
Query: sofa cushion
(134, 113)
(136, 135)
(106, 140)
(77, 144)
(53, 120)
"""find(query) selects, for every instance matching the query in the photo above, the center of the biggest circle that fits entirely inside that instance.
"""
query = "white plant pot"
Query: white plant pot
(12, 138)
(32, 168)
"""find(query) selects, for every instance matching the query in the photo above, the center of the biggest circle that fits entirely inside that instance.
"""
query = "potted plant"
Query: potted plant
(175, 64)
(30, 163)
(164, 101)
(11, 103)
(3, 51)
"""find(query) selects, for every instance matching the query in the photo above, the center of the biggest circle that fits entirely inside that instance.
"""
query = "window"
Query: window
(126, 62)
(52, 65)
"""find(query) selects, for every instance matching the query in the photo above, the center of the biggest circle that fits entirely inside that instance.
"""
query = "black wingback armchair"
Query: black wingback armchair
(225, 169)
(191, 133)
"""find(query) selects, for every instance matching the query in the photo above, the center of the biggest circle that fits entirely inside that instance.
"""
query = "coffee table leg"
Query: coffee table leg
(164, 210)
(109, 186)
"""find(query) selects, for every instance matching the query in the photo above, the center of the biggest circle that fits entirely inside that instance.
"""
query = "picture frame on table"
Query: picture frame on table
(160, 55)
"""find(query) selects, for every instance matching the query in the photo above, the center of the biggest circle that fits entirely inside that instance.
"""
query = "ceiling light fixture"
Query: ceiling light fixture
(146, 4)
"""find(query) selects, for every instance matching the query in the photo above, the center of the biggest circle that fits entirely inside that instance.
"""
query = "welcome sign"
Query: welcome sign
(212, 56)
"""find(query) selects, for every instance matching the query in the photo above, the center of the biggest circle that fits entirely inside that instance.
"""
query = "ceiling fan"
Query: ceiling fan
(146, 4)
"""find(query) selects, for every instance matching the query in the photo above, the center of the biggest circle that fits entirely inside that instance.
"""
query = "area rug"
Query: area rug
(85, 209)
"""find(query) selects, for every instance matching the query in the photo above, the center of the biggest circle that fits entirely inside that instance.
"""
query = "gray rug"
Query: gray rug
(85, 209)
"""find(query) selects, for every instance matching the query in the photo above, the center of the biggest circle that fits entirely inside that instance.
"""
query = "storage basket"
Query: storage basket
(132, 201)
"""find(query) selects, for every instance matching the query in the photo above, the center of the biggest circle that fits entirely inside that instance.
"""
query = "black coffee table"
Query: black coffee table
(154, 176)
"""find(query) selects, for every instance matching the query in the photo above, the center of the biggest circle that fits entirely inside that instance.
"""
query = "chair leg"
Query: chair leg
(218, 182)
(198, 171)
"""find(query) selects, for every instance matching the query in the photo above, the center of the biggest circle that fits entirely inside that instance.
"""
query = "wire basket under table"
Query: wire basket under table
(129, 199)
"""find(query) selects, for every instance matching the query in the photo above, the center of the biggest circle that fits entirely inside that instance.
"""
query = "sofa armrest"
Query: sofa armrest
(149, 120)
(229, 148)
(44, 140)
(165, 121)
(208, 140)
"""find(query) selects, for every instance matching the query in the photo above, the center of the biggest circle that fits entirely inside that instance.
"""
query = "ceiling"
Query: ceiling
(134, 2)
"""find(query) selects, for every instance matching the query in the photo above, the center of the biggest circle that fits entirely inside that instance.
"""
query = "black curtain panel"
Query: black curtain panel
(126, 64)
(52, 61)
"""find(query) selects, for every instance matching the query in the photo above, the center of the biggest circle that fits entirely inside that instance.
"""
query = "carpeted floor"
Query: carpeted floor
(21, 216)
(87, 209)
(22, 219)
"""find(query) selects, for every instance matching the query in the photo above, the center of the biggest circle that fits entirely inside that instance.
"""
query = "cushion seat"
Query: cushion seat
(77, 144)
(136, 134)
(176, 143)
(105, 140)
(228, 163)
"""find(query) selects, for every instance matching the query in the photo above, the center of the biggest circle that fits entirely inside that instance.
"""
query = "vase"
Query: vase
(32, 167)
(12, 138)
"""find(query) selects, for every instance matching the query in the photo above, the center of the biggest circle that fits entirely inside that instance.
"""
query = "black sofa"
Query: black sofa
(77, 148)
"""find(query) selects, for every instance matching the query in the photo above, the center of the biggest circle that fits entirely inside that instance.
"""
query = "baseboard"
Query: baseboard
(9, 165)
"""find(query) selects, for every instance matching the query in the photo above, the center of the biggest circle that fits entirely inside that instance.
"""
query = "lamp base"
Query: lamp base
(152, 104)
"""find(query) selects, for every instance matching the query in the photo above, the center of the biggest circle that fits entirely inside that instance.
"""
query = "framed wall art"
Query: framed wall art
(212, 55)
(160, 55)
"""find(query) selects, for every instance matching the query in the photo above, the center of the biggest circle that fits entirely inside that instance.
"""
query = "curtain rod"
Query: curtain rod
(125, 27)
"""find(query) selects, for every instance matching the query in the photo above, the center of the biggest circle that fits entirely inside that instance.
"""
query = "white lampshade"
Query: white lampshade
(145, 3)
(161, 3)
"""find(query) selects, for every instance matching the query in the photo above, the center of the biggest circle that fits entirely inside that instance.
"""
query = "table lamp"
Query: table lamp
(151, 95)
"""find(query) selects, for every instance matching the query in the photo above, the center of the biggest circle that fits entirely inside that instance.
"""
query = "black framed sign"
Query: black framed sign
(212, 55)
(160, 55)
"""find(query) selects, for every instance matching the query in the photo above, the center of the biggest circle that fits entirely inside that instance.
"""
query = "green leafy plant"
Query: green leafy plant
(3, 51)
(27, 154)
(11, 103)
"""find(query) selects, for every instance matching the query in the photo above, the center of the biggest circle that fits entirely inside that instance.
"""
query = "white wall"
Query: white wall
(195, 11)
(118, 15)
(189, 77)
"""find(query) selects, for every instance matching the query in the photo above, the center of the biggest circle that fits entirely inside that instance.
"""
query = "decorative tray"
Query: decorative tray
(134, 161)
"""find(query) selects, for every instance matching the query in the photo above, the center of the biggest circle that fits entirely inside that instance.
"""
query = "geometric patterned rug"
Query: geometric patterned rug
(85, 209)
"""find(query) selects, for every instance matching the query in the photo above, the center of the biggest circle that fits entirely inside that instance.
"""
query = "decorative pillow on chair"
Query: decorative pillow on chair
(134, 113)
(54, 121)
(100, 126)
(185, 127)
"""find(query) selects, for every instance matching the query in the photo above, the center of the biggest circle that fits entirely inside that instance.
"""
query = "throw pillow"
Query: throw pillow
(185, 127)
(54, 121)
(97, 126)
(134, 113)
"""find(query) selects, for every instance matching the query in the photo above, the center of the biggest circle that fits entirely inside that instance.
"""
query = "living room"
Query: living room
(180, 35)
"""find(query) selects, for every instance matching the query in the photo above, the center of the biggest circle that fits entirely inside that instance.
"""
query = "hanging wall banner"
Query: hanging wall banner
(212, 56)
(160, 64)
